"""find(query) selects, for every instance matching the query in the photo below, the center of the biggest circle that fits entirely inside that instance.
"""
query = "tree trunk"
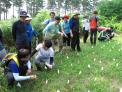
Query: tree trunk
(4, 15)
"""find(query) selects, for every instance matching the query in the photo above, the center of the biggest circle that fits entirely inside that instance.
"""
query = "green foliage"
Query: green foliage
(38, 20)
(111, 8)
(6, 28)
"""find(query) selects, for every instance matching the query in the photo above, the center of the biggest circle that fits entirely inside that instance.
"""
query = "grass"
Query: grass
(95, 69)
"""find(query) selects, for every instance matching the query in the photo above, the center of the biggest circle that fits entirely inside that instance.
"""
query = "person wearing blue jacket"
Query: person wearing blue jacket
(75, 29)
(30, 31)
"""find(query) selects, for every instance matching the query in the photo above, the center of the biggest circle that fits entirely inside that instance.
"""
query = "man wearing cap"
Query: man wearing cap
(30, 31)
(75, 28)
(52, 31)
(65, 27)
(19, 32)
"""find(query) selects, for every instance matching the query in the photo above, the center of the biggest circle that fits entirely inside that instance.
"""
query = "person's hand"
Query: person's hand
(33, 77)
(61, 34)
(66, 36)
(29, 72)
(71, 35)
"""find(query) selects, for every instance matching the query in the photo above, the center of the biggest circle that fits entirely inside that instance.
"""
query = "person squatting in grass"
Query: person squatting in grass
(105, 33)
(45, 55)
(19, 68)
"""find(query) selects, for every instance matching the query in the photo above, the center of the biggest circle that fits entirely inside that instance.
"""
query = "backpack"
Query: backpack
(93, 23)
(10, 56)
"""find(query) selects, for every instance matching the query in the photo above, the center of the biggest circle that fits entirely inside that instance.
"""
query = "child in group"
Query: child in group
(45, 55)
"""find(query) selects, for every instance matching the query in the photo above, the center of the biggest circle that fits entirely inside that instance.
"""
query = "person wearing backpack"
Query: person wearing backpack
(17, 67)
(93, 28)
(2, 49)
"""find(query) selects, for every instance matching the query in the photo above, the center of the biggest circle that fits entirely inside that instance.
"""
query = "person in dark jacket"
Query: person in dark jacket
(19, 32)
(75, 30)
(2, 49)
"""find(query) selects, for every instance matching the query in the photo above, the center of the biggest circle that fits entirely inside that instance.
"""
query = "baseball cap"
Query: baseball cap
(57, 18)
(65, 17)
(23, 14)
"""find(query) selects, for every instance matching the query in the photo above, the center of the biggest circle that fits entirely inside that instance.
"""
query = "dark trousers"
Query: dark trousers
(75, 41)
(10, 77)
(66, 41)
(85, 36)
(93, 36)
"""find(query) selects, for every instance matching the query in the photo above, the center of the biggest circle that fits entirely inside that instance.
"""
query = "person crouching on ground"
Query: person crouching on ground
(44, 57)
(19, 68)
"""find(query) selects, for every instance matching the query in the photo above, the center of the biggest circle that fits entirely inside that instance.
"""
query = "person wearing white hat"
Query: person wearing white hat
(30, 31)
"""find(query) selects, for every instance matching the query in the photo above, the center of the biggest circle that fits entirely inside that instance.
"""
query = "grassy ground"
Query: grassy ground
(95, 69)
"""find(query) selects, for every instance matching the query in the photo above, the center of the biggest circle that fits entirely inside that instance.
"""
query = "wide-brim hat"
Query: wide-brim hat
(76, 13)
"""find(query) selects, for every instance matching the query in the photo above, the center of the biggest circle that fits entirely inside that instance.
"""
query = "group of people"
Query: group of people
(63, 30)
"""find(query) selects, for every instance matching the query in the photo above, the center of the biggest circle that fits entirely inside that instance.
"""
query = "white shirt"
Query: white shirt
(86, 24)
(45, 54)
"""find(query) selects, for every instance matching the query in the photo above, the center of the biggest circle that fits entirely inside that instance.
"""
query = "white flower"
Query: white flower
(67, 57)
(100, 61)
(88, 90)
(58, 90)
(114, 59)
(95, 79)
(79, 72)
(46, 81)
(71, 64)
(102, 68)
(58, 71)
(94, 59)
(68, 82)
(89, 66)
(117, 64)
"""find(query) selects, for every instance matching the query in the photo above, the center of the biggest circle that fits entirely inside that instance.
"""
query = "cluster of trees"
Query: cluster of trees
(33, 6)
(110, 8)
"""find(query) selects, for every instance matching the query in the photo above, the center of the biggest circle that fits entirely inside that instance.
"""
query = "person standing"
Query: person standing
(93, 28)
(75, 29)
(19, 32)
(30, 31)
(86, 28)
(52, 18)
(65, 27)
